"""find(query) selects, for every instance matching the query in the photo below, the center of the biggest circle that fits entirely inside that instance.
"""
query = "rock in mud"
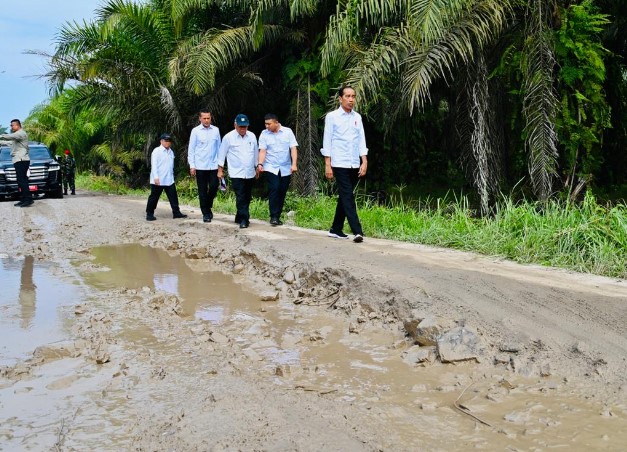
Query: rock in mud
(270, 296)
(196, 253)
(417, 355)
(219, 338)
(459, 344)
(424, 332)
(289, 277)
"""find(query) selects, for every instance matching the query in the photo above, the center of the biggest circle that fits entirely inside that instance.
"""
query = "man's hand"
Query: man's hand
(220, 172)
(294, 169)
(157, 181)
(363, 168)
(192, 171)
(328, 172)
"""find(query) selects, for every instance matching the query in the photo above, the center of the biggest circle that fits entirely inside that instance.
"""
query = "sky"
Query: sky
(32, 25)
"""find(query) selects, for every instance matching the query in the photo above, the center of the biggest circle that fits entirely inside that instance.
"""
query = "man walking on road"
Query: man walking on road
(162, 179)
(202, 155)
(277, 159)
(18, 140)
(346, 159)
(239, 150)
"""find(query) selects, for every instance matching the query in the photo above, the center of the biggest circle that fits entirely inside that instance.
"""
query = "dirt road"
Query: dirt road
(180, 335)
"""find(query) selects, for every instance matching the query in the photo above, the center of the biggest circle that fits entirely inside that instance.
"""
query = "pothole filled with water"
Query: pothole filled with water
(296, 348)
(36, 307)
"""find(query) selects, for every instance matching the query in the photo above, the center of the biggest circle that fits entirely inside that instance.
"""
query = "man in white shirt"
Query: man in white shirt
(277, 159)
(346, 159)
(202, 155)
(240, 151)
(162, 179)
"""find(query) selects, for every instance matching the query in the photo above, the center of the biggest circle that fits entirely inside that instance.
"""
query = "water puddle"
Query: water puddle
(311, 350)
(304, 348)
(35, 307)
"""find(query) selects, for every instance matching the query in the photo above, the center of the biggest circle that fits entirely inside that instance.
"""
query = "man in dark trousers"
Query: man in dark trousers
(162, 179)
(345, 159)
(202, 155)
(18, 140)
(278, 155)
(240, 152)
(68, 168)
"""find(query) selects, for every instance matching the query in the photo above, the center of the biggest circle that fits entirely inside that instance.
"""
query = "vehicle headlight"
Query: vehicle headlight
(53, 168)
(1, 170)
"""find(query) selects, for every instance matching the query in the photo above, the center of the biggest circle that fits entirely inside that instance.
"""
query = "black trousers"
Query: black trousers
(155, 193)
(207, 182)
(243, 189)
(346, 209)
(21, 174)
(277, 189)
(68, 181)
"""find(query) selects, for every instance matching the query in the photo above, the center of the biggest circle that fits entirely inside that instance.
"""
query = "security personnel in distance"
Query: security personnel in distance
(68, 169)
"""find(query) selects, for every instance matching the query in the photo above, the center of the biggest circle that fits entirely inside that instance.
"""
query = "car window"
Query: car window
(34, 152)
(38, 153)
(5, 154)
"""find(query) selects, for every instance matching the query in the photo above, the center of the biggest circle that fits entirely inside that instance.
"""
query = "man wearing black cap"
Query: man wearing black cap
(240, 151)
(162, 179)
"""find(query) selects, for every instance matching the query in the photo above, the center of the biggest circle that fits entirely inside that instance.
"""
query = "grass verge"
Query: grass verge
(586, 237)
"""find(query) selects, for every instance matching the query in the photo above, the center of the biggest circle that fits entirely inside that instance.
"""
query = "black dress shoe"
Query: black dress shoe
(27, 203)
(275, 222)
(18, 204)
(244, 224)
(179, 215)
(73, 192)
(150, 217)
(206, 219)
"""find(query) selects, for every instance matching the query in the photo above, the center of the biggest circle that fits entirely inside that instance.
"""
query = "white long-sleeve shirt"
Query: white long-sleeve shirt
(344, 138)
(162, 166)
(241, 154)
(204, 145)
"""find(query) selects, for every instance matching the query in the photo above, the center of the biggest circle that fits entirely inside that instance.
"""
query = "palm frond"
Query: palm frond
(540, 100)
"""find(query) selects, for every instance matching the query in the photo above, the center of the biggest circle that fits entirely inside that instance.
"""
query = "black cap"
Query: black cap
(166, 136)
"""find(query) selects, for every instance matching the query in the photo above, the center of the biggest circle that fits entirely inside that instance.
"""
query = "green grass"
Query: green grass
(586, 237)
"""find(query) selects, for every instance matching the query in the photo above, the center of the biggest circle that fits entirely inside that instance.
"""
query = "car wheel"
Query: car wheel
(57, 194)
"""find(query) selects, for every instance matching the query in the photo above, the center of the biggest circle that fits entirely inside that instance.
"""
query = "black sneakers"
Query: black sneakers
(244, 224)
(150, 217)
(179, 215)
(337, 235)
(275, 222)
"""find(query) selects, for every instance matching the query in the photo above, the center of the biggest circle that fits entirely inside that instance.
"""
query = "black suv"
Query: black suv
(44, 174)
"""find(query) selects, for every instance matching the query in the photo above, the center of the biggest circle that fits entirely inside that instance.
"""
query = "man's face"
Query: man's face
(166, 143)
(205, 119)
(241, 129)
(272, 125)
(347, 100)
(15, 127)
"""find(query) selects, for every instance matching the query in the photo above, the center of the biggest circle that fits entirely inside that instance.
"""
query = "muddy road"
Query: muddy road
(122, 334)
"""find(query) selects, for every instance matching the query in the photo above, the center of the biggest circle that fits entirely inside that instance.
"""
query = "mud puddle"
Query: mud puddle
(36, 307)
(303, 348)
(164, 364)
